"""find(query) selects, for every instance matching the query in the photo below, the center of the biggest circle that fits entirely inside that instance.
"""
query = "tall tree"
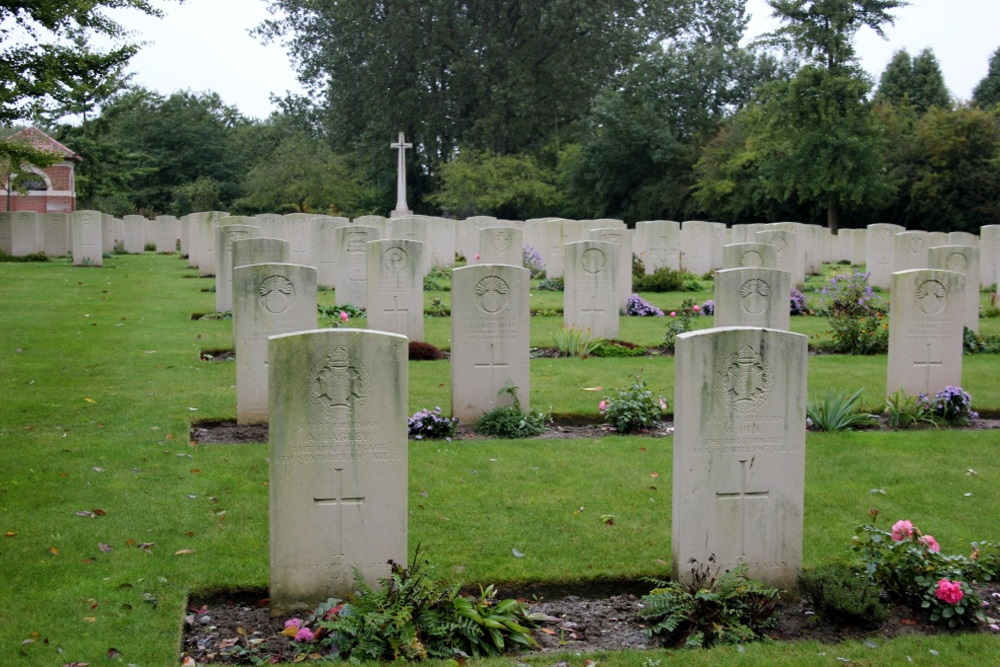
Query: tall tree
(987, 91)
(916, 81)
(497, 75)
(896, 83)
(41, 50)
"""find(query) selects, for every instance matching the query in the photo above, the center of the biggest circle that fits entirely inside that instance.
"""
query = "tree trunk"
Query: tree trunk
(832, 216)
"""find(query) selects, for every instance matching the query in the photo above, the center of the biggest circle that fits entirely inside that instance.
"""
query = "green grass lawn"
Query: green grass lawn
(111, 517)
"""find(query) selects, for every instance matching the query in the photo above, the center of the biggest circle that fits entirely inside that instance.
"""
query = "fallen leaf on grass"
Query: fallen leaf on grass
(90, 400)
(517, 554)
(184, 552)
(9, 534)
(114, 654)
(97, 469)
(654, 474)
(105, 548)
(592, 388)
(54, 551)
(146, 546)
(90, 619)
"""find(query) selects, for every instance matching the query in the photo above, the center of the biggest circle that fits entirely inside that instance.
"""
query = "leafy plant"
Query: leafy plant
(726, 608)
(617, 348)
(974, 343)
(834, 411)
(911, 569)
(639, 307)
(423, 351)
(336, 316)
(665, 279)
(555, 284)
(633, 408)
(952, 406)
(411, 617)
(681, 321)
(511, 421)
(992, 307)
(437, 308)
(842, 596)
(574, 342)
(531, 259)
(903, 411)
(797, 303)
(855, 314)
(431, 425)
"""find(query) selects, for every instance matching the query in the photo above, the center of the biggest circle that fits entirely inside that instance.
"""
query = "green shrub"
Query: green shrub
(834, 411)
(856, 315)
(726, 608)
(665, 279)
(681, 321)
(333, 316)
(31, 257)
(841, 596)
(511, 422)
(423, 351)
(617, 348)
(904, 411)
(574, 342)
(552, 285)
(911, 570)
(638, 267)
(992, 307)
(974, 343)
(633, 408)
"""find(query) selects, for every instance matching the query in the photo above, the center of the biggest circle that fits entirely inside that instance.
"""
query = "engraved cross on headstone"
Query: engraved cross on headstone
(593, 311)
(401, 208)
(927, 367)
(338, 501)
(493, 365)
(398, 314)
(742, 496)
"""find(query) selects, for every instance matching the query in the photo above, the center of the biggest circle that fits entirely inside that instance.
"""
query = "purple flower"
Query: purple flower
(293, 623)
(304, 635)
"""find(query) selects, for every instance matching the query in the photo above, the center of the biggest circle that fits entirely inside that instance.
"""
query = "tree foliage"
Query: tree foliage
(45, 49)
(987, 91)
(917, 81)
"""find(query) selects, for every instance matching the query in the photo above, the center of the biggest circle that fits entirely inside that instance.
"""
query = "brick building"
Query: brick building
(46, 190)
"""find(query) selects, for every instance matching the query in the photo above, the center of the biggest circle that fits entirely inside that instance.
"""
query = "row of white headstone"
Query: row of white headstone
(693, 245)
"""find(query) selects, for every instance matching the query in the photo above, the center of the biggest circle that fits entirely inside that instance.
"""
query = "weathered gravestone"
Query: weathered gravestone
(658, 243)
(88, 234)
(5, 241)
(739, 453)
(753, 297)
(225, 235)
(880, 253)
(925, 335)
(351, 269)
(25, 233)
(590, 296)
(268, 299)
(135, 233)
(989, 248)
(696, 246)
(962, 259)
(501, 245)
(260, 250)
(622, 238)
(338, 456)
(749, 256)
(489, 338)
(55, 232)
(325, 252)
(396, 287)
(911, 251)
(166, 233)
(791, 257)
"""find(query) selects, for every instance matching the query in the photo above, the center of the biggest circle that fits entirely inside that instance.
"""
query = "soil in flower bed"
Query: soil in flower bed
(220, 629)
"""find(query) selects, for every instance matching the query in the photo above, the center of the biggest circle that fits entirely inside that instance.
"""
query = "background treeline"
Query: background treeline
(634, 109)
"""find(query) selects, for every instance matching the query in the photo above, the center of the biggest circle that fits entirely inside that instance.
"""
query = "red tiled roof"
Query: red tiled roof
(38, 139)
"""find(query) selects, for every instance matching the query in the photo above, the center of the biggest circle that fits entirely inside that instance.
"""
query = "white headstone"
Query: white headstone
(326, 248)
(753, 297)
(696, 247)
(501, 245)
(352, 264)
(622, 238)
(658, 243)
(989, 248)
(135, 234)
(750, 256)
(25, 234)
(260, 250)
(338, 463)
(965, 260)
(268, 299)
(225, 235)
(166, 227)
(590, 297)
(911, 251)
(925, 331)
(790, 256)
(55, 232)
(739, 452)
(489, 338)
(88, 238)
(396, 287)
(880, 256)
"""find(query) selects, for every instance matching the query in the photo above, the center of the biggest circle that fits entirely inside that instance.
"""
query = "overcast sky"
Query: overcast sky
(204, 45)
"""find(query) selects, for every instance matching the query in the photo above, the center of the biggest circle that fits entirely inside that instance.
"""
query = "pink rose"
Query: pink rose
(930, 542)
(602, 406)
(477, 257)
(293, 623)
(949, 591)
(901, 530)
(304, 635)
(696, 308)
(673, 313)
(343, 316)
(663, 404)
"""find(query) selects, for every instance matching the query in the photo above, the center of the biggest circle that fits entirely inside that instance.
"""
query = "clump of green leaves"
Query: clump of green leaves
(665, 279)
(574, 342)
(335, 316)
(617, 348)
(842, 596)
(715, 608)
(681, 321)
(903, 411)
(555, 284)
(511, 422)
(835, 411)
(633, 407)
(411, 617)
(911, 569)
(31, 257)
(974, 343)
(856, 315)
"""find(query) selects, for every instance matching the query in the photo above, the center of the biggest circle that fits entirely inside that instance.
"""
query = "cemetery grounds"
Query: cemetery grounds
(113, 517)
